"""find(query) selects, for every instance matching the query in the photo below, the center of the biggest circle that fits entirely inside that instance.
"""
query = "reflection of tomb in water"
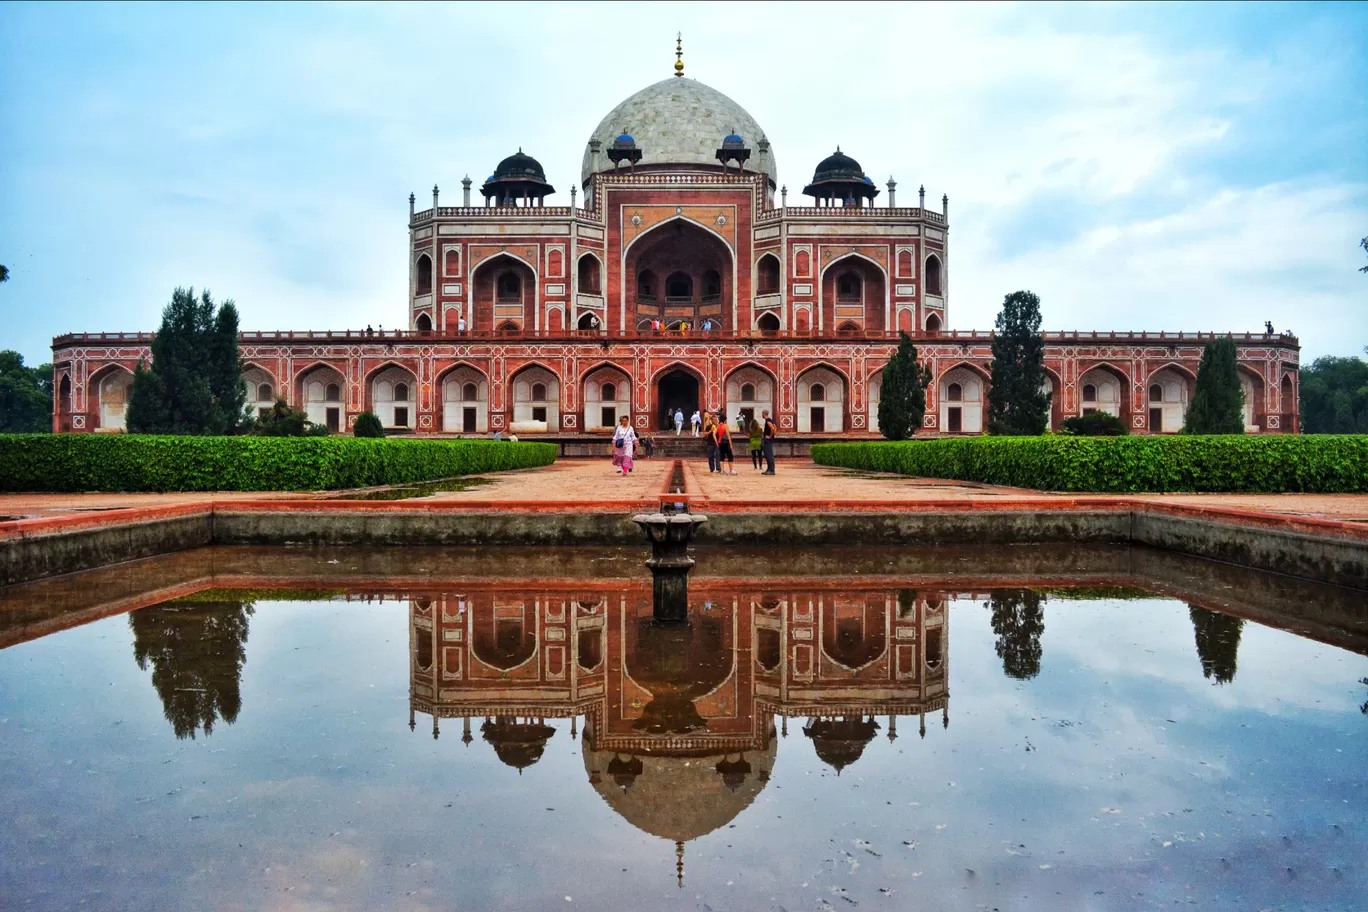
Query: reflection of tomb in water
(679, 723)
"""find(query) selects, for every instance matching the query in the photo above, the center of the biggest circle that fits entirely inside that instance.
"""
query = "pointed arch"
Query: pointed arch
(536, 395)
(109, 387)
(962, 391)
(463, 413)
(822, 391)
(589, 273)
(1113, 397)
(606, 391)
(767, 272)
(750, 389)
(311, 385)
(869, 305)
(492, 305)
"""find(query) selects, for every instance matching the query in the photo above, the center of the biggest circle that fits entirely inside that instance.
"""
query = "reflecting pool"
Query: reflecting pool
(1030, 728)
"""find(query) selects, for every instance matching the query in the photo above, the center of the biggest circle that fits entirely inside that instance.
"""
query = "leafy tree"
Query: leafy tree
(196, 650)
(1334, 396)
(1217, 405)
(1017, 401)
(194, 385)
(4, 273)
(1095, 424)
(1018, 622)
(284, 421)
(25, 396)
(902, 397)
(1218, 642)
(368, 425)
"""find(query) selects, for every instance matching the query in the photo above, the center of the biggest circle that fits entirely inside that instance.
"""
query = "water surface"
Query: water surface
(450, 729)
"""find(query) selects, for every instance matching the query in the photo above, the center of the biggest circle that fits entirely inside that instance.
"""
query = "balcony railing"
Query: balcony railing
(718, 335)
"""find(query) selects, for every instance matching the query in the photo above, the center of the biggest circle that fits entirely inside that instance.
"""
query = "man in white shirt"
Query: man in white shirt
(696, 420)
(460, 325)
(679, 421)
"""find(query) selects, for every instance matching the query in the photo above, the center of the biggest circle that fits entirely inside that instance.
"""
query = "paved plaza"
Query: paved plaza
(592, 485)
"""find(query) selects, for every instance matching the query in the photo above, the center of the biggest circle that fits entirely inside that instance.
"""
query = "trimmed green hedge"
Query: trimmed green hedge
(1254, 464)
(136, 462)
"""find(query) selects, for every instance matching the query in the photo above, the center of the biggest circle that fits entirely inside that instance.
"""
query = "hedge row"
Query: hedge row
(135, 462)
(1253, 464)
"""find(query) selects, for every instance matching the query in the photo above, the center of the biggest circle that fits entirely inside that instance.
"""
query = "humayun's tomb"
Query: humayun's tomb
(679, 283)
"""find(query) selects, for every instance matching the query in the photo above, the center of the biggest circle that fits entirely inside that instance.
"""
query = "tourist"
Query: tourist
(594, 322)
(768, 433)
(722, 434)
(696, 421)
(678, 421)
(624, 446)
(710, 442)
(460, 326)
(756, 433)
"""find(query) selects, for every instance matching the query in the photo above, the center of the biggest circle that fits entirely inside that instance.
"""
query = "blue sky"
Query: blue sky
(1139, 167)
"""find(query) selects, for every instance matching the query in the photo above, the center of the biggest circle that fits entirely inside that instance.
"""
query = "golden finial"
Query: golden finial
(679, 54)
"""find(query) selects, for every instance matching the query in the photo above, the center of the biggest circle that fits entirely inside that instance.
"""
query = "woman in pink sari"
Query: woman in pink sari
(624, 446)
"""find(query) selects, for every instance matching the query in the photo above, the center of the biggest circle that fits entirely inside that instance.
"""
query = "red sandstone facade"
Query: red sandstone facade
(681, 285)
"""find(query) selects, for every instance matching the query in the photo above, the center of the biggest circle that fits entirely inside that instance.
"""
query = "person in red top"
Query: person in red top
(724, 446)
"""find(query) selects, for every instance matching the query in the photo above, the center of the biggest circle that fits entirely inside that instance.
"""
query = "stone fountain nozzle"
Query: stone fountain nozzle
(670, 563)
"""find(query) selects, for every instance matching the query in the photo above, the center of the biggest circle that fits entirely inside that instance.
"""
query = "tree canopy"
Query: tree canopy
(1217, 405)
(1018, 623)
(902, 395)
(25, 396)
(196, 651)
(1018, 403)
(1334, 396)
(1218, 643)
(194, 385)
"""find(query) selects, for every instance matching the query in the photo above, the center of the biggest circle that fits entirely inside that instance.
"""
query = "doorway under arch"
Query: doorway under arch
(676, 390)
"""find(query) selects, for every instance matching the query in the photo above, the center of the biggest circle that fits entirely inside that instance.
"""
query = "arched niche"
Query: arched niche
(961, 393)
(261, 390)
(536, 400)
(750, 393)
(321, 390)
(112, 387)
(679, 272)
(767, 275)
(1102, 389)
(394, 397)
(1167, 392)
(821, 401)
(854, 292)
(607, 398)
(590, 275)
(465, 401)
(503, 289)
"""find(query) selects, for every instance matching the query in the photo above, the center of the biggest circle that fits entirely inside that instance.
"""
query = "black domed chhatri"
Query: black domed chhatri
(518, 177)
(840, 177)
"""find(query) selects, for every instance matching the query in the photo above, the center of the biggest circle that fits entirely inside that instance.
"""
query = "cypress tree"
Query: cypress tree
(1018, 623)
(1217, 405)
(194, 384)
(1017, 404)
(902, 397)
(1218, 643)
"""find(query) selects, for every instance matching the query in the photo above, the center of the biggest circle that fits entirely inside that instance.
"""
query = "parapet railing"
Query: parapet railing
(848, 212)
(966, 337)
(528, 213)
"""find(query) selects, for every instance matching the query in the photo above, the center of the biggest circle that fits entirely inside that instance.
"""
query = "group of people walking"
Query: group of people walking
(717, 441)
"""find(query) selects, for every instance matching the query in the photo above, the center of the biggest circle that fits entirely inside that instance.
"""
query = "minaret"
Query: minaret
(434, 196)
(945, 206)
(783, 197)
(412, 200)
(892, 186)
(679, 849)
(465, 191)
(921, 197)
(679, 54)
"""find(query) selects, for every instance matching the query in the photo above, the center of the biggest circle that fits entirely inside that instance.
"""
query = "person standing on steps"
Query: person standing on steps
(678, 421)
(696, 420)
(624, 446)
(767, 434)
(724, 447)
(756, 434)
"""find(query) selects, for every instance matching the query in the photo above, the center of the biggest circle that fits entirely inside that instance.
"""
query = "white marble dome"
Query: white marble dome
(678, 121)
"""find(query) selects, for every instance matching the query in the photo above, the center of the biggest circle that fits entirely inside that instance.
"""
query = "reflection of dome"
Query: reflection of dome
(518, 744)
(680, 798)
(840, 742)
(676, 121)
